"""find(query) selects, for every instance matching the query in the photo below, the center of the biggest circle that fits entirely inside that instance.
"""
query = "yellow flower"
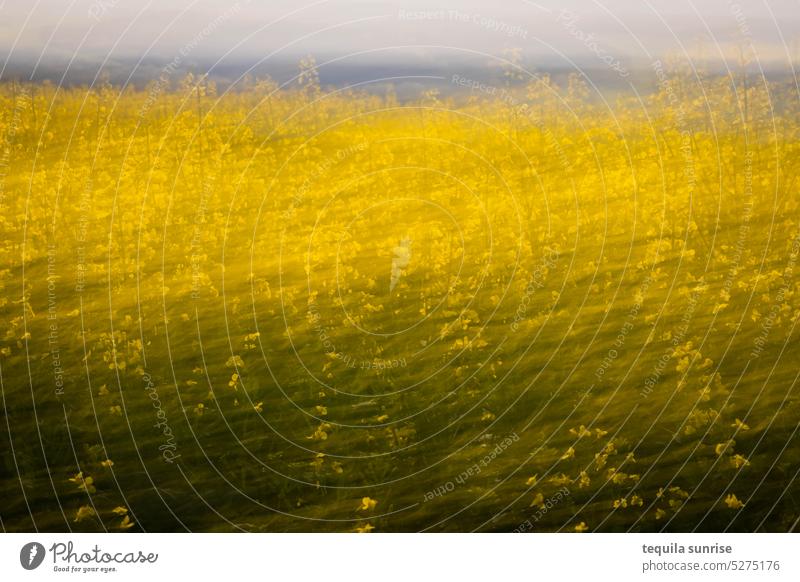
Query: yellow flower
(581, 431)
(532, 480)
(559, 480)
(738, 461)
(83, 513)
(733, 502)
(321, 433)
(660, 514)
(722, 448)
(600, 460)
(678, 492)
(120, 510)
(87, 485)
(568, 455)
(258, 407)
(83, 483)
(126, 523)
(365, 528)
(234, 361)
(319, 459)
(538, 500)
(617, 477)
(367, 504)
(581, 527)
(108, 463)
(738, 424)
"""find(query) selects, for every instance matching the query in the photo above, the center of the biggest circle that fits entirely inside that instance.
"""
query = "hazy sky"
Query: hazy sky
(391, 30)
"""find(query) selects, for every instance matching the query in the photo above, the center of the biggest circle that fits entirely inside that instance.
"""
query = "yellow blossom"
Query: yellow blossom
(733, 502)
(126, 523)
(84, 512)
(367, 504)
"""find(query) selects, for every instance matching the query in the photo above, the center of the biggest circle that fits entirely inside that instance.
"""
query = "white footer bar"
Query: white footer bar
(401, 557)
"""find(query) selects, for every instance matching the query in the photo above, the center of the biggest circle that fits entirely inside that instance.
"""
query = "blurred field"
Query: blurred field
(283, 309)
